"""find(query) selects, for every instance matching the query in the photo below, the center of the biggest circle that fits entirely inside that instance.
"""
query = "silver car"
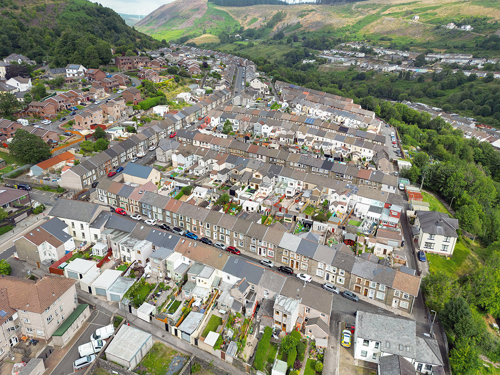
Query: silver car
(267, 263)
(331, 288)
(220, 245)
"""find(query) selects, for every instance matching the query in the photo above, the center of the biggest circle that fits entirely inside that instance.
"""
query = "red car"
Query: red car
(121, 211)
(173, 134)
(111, 174)
(233, 250)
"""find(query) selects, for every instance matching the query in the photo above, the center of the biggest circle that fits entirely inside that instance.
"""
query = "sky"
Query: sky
(140, 7)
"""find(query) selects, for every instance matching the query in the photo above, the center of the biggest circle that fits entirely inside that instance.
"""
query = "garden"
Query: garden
(237, 329)
(161, 360)
(138, 292)
(212, 325)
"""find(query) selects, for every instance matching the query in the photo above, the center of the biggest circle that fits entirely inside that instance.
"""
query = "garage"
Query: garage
(114, 297)
(72, 275)
(105, 280)
(100, 291)
(118, 289)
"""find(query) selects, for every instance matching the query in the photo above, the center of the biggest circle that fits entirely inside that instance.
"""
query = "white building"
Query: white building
(161, 110)
(129, 346)
(20, 83)
(75, 70)
(437, 232)
(101, 285)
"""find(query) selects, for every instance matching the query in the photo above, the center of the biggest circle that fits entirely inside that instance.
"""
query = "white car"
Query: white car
(119, 91)
(152, 148)
(304, 277)
(97, 102)
(136, 217)
(267, 263)
(134, 159)
(220, 245)
(150, 222)
(46, 122)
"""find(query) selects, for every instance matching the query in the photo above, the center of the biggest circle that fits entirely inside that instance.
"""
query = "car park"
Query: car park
(119, 169)
(164, 227)
(150, 222)
(84, 362)
(120, 211)
(421, 256)
(192, 236)
(285, 269)
(220, 245)
(233, 250)
(267, 263)
(304, 277)
(345, 341)
(331, 288)
(178, 231)
(136, 217)
(111, 174)
(206, 240)
(350, 295)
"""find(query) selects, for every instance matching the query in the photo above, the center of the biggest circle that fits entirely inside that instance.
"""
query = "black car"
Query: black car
(206, 240)
(350, 295)
(23, 187)
(112, 209)
(67, 134)
(164, 227)
(285, 269)
(94, 184)
(63, 119)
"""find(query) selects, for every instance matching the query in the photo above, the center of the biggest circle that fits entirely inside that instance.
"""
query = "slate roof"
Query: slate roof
(137, 170)
(244, 270)
(56, 228)
(310, 295)
(437, 223)
(74, 210)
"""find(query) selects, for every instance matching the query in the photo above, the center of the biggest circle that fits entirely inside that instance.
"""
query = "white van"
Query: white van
(23, 122)
(89, 348)
(103, 333)
(401, 186)
(83, 362)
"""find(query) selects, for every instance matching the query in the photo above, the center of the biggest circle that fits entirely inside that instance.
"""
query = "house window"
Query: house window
(285, 316)
(374, 356)
(380, 296)
(322, 315)
(319, 273)
(341, 272)
(270, 253)
(303, 266)
(397, 293)
(364, 353)
(284, 260)
(49, 318)
(26, 320)
(447, 239)
(285, 252)
(406, 296)
(428, 245)
(404, 304)
(381, 287)
(320, 266)
(373, 284)
(241, 244)
(334, 269)
(207, 233)
(444, 248)
(366, 342)
(340, 280)
(328, 268)
(277, 312)
(377, 345)
(29, 330)
(432, 237)
(40, 333)
(308, 310)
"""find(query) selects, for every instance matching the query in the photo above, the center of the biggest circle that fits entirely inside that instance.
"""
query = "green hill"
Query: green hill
(66, 31)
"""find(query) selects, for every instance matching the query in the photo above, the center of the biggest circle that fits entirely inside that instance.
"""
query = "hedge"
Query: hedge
(261, 353)
(301, 349)
(150, 102)
(291, 358)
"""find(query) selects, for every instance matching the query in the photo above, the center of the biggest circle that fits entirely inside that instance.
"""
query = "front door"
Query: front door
(371, 293)
(365, 292)
(395, 303)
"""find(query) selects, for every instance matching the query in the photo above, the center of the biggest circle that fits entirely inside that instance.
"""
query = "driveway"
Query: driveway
(97, 319)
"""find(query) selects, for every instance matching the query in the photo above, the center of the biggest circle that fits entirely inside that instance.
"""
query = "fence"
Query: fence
(105, 259)
(57, 271)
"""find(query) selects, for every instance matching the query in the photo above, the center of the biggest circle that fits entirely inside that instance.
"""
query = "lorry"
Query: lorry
(92, 347)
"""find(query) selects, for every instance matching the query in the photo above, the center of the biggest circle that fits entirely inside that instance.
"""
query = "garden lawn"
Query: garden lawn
(271, 353)
(9, 159)
(456, 265)
(174, 307)
(309, 210)
(158, 359)
(212, 325)
(144, 291)
(76, 255)
(122, 268)
(434, 203)
(310, 367)
(355, 223)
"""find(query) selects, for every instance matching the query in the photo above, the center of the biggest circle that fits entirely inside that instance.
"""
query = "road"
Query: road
(238, 85)
(45, 197)
(386, 131)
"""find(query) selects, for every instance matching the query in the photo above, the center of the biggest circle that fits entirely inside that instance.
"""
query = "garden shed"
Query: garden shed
(146, 311)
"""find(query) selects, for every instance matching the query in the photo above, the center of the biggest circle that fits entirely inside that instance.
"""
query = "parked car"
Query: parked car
(67, 134)
(111, 174)
(63, 119)
(396, 173)
(346, 339)
(136, 217)
(350, 295)
(134, 159)
(192, 236)
(285, 269)
(46, 122)
(421, 256)
(94, 184)
(150, 222)
(84, 362)
(331, 288)
(164, 227)
(172, 135)
(304, 277)
(103, 333)
(121, 211)
(178, 231)
(220, 245)
(267, 263)
(23, 187)
(141, 154)
(206, 240)
(73, 113)
(111, 209)
(233, 250)
(97, 102)
(119, 169)
(90, 348)
(152, 148)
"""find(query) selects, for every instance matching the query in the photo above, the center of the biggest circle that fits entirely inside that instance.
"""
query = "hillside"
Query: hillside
(381, 20)
(130, 19)
(66, 31)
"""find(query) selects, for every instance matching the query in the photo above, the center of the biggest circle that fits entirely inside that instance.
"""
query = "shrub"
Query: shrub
(292, 355)
(261, 353)
(301, 349)
(39, 209)
(318, 367)
(297, 365)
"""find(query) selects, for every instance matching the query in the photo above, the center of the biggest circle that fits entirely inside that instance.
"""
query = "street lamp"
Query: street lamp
(451, 202)
(432, 324)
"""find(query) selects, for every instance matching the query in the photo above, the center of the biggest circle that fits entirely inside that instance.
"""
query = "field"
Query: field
(435, 204)
(205, 38)
(459, 264)
(157, 361)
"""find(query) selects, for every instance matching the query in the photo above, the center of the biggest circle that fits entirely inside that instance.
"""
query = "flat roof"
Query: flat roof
(70, 320)
(127, 342)
(80, 265)
(146, 308)
(191, 322)
(212, 338)
(121, 285)
(107, 278)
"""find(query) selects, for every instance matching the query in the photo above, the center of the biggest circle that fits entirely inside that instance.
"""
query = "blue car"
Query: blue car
(191, 235)
(118, 170)
(73, 113)
(421, 256)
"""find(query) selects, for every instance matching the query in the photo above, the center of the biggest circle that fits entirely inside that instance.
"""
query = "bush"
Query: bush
(261, 353)
(301, 349)
(39, 209)
(297, 365)
(292, 356)
(318, 367)
(6, 229)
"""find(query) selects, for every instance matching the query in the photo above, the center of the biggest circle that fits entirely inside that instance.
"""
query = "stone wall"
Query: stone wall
(113, 368)
(204, 364)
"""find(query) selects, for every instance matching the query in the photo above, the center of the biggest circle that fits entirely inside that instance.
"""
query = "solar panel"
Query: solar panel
(3, 313)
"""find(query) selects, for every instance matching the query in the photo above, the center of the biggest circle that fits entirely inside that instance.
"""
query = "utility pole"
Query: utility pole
(432, 324)
(451, 202)
(422, 183)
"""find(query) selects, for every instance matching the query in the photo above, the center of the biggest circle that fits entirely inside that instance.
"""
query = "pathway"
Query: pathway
(304, 363)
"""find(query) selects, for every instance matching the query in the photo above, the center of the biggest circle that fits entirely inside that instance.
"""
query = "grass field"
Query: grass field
(459, 264)
(434, 203)
(100, 371)
(271, 353)
(212, 325)
(310, 370)
(9, 159)
(205, 38)
(173, 308)
(158, 359)
(123, 267)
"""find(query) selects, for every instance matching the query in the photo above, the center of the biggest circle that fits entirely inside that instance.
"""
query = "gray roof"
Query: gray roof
(373, 271)
(196, 268)
(56, 228)
(396, 335)
(121, 285)
(272, 281)
(191, 322)
(320, 323)
(428, 351)
(307, 248)
(438, 223)
(244, 270)
(395, 365)
(121, 223)
(343, 261)
(161, 238)
(161, 253)
(30, 366)
(310, 295)
(137, 170)
(74, 210)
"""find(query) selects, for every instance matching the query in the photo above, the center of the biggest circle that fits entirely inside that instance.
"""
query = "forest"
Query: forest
(80, 31)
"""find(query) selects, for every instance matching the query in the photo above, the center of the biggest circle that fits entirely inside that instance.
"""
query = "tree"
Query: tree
(5, 268)
(87, 146)
(29, 148)
(101, 144)
(419, 60)
(131, 129)
(27, 98)
(228, 127)
(289, 343)
(464, 357)
(187, 189)
(3, 214)
(39, 91)
(223, 199)
(438, 288)
(8, 104)
(99, 133)
(319, 366)
(457, 318)
(57, 82)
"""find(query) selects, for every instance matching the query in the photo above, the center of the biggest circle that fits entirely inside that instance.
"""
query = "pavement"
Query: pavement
(64, 358)
(47, 198)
